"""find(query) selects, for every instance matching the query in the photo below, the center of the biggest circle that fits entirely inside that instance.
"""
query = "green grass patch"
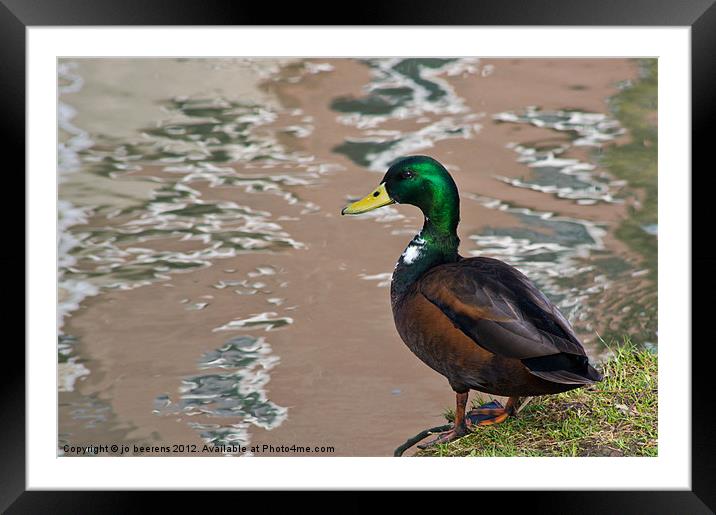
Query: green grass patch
(617, 417)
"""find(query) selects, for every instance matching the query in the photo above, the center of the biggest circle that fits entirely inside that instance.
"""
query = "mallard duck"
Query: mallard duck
(477, 321)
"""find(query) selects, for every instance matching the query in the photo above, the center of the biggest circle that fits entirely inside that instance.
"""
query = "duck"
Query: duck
(477, 321)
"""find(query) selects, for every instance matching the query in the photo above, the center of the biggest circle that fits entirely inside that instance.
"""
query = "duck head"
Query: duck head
(422, 182)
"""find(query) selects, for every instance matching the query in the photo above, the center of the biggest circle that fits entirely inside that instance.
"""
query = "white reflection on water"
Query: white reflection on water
(592, 129)
(140, 192)
(235, 390)
(406, 89)
(565, 178)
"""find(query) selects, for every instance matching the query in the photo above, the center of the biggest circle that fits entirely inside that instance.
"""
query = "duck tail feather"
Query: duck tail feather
(594, 374)
(567, 377)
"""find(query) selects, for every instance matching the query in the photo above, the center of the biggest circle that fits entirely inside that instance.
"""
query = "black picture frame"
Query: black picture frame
(700, 15)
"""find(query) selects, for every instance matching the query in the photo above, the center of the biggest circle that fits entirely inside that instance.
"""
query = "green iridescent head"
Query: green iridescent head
(422, 182)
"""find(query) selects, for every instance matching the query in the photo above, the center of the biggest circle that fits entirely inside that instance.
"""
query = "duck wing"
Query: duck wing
(502, 311)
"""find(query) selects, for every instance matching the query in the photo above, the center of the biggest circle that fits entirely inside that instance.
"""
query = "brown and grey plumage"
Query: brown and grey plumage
(484, 326)
(477, 321)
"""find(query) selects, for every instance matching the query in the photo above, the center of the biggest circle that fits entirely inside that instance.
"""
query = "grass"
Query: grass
(617, 417)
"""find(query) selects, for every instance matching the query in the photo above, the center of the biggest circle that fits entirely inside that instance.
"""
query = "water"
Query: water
(404, 89)
(235, 392)
(121, 248)
(210, 292)
(567, 257)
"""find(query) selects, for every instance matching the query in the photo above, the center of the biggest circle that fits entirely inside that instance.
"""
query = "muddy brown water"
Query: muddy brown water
(211, 291)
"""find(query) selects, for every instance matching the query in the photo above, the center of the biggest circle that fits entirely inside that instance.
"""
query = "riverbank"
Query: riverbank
(617, 417)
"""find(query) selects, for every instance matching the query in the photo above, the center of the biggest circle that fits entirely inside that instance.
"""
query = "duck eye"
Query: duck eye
(407, 174)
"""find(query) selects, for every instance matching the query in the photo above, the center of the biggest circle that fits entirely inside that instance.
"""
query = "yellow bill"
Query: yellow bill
(378, 198)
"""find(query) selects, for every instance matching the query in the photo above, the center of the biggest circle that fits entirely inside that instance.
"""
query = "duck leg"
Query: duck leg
(492, 412)
(459, 425)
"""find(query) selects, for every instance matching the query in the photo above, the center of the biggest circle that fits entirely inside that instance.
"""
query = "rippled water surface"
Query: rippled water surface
(209, 291)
